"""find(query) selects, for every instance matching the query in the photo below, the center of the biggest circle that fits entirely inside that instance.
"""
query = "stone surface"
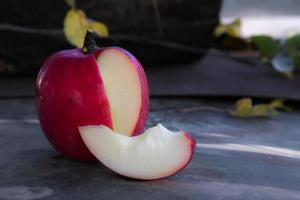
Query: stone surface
(249, 159)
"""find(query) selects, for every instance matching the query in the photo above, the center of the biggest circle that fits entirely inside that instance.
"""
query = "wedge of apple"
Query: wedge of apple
(79, 87)
(157, 153)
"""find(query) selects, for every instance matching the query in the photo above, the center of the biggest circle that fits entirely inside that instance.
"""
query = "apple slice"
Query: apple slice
(157, 153)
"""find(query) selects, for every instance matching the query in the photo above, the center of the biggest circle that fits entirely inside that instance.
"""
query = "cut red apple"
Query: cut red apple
(155, 154)
(74, 88)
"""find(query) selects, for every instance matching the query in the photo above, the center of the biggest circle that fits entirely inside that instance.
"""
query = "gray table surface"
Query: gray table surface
(234, 159)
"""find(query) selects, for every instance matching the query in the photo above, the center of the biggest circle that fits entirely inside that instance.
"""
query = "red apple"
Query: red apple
(93, 86)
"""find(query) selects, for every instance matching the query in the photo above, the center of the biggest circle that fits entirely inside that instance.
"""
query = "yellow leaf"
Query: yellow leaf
(98, 28)
(232, 29)
(244, 104)
(75, 27)
(279, 104)
(242, 108)
(76, 24)
(263, 110)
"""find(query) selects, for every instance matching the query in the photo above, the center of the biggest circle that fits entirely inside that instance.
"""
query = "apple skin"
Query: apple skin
(70, 93)
(192, 147)
(192, 143)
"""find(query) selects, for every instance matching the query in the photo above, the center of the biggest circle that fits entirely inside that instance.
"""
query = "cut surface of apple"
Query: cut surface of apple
(155, 154)
(122, 87)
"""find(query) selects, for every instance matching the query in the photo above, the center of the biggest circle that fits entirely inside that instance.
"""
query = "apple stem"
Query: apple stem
(89, 44)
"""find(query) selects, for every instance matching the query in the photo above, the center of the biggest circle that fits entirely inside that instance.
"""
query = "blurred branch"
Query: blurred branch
(22, 29)
(158, 17)
(188, 48)
(202, 108)
(58, 33)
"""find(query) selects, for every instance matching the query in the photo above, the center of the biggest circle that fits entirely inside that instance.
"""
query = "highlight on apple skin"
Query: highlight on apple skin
(106, 86)
(155, 154)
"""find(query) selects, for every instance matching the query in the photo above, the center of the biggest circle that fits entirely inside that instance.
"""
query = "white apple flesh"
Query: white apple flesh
(123, 89)
(157, 153)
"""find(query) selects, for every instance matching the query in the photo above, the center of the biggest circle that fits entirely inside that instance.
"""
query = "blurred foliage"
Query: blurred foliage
(292, 45)
(284, 56)
(245, 108)
(266, 45)
(76, 24)
(228, 36)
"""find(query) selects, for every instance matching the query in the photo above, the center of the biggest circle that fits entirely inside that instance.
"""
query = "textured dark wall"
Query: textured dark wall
(31, 30)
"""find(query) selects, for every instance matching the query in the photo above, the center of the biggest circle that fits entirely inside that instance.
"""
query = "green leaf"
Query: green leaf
(245, 109)
(232, 29)
(266, 45)
(76, 24)
(71, 3)
(292, 45)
